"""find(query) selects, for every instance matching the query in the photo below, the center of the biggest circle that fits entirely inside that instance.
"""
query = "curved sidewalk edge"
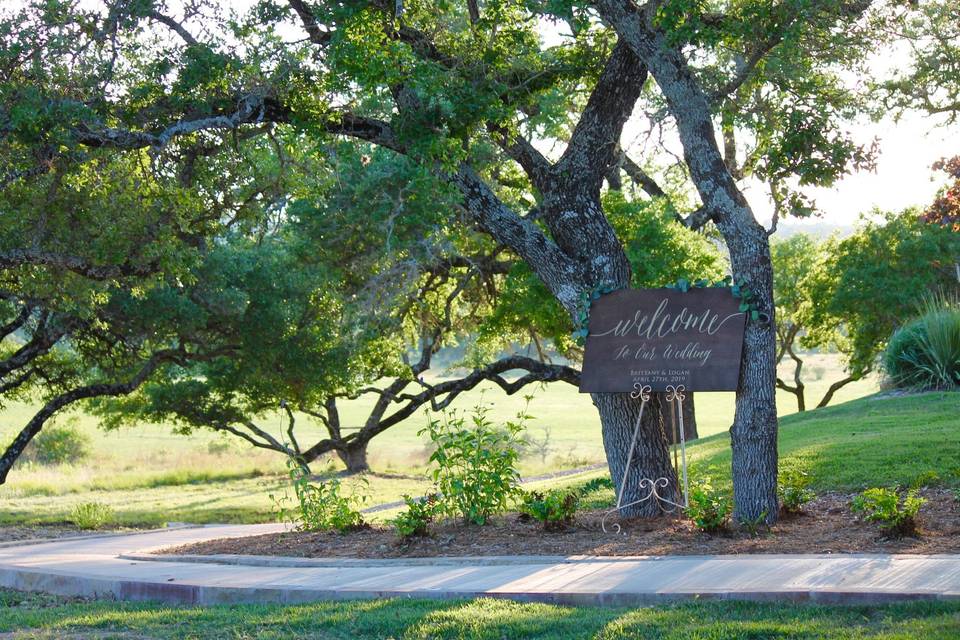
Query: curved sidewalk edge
(118, 567)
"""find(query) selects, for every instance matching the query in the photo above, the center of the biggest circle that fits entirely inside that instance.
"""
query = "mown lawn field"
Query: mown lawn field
(483, 619)
(150, 475)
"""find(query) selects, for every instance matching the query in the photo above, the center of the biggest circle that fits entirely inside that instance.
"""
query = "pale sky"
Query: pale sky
(903, 176)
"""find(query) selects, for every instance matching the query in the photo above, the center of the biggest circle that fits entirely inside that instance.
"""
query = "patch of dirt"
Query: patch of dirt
(826, 525)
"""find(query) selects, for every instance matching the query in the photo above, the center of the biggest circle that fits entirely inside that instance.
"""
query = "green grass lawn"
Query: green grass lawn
(873, 441)
(48, 617)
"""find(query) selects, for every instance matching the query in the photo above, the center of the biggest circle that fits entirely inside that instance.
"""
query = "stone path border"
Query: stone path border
(118, 567)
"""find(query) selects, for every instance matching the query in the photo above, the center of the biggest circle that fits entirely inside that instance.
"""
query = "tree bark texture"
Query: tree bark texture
(354, 456)
(754, 431)
(689, 420)
(651, 459)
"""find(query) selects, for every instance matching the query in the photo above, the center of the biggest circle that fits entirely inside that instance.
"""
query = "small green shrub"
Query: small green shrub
(595, 484)
(925, 354)
(320, 506)
(709, 508)
(58, 445)
(475, 464)
(92, 515)
(419, 514)
(754, 526)
(554, 509)
(896, 514)
(792, 488)
(925, 479)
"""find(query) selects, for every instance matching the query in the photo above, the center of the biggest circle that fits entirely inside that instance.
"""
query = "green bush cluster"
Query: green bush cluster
(419, 514)
(319, 506)
(596, 484)
(58, 445)
(475, 464)
(554, 509)
(792, 488)
(925, 353)
(709, 508)
(92, 515)
(896, 513)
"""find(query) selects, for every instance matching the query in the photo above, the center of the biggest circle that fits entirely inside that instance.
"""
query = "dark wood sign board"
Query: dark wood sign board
(663, 337)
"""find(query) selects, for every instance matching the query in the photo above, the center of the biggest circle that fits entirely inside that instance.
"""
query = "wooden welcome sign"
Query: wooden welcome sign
(664, 337)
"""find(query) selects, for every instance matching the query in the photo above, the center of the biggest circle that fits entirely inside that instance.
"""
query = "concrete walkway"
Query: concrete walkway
(120, 567)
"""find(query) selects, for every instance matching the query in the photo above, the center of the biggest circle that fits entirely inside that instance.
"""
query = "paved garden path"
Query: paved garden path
(121, 566)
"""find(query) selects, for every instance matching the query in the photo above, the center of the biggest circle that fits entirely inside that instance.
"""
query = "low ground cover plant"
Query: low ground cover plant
(793, 490)
(92, 515)
(475, 463)
(554, 509)
(709, 508)
(895, 512)
(319, 506)
(419, 514)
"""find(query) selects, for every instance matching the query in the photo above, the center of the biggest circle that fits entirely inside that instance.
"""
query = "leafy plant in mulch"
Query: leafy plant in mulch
(475, 463)
(419, 514)
(709, 508)
(793, 490)
(895, 512)
(754, 526)
(319, 506)
(554, 509)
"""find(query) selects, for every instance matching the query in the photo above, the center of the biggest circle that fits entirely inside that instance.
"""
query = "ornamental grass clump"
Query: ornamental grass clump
(896, 513)
(92, 515)
(925, 353)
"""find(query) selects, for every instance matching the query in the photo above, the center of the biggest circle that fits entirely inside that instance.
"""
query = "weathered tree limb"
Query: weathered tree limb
(839, 384)
(12, 258)
(641, 178)
(52, 406)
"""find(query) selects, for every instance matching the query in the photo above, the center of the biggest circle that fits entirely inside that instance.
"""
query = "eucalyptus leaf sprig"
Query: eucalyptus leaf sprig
(740, 291)
(581, 327)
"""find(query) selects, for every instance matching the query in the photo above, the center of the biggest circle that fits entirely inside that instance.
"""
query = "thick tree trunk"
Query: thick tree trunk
(618, 418)
(354, 456)
(689, 421)
(754, 432)
(753, 435)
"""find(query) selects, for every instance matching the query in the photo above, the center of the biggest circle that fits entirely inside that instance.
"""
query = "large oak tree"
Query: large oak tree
(474, 94)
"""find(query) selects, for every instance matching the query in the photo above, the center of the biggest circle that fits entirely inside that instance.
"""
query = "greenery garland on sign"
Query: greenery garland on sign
(740, 291)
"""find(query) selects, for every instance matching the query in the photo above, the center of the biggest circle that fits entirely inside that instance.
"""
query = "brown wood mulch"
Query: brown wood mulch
(826, 525)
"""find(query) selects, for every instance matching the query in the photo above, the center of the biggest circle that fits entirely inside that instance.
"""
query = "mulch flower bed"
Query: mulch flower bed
(826, 526)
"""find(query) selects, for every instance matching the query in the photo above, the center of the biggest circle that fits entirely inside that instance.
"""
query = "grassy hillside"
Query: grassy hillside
(874, 441)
